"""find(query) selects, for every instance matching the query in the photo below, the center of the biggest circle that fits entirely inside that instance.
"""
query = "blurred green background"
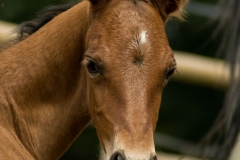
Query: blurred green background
(187, 111)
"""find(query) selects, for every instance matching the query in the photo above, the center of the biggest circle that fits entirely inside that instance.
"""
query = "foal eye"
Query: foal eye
(170, 73)
(92, 67)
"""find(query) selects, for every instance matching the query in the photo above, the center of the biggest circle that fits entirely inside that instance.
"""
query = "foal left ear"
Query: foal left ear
(170, 8)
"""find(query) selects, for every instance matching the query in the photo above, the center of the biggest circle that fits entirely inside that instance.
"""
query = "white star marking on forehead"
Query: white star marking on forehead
(143, 38)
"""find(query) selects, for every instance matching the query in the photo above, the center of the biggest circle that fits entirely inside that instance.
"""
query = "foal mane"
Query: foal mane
(46, 15)
(27, 28)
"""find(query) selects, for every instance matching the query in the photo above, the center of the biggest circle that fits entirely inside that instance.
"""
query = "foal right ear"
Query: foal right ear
(170, 8)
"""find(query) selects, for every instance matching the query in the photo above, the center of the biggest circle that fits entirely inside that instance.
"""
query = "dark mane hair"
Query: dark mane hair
(27, 28)
(47, 14)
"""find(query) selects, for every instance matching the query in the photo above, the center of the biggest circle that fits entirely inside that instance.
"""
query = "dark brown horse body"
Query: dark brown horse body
(105, 61)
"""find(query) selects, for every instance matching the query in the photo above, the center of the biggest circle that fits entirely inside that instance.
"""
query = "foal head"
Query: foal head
(129, 61)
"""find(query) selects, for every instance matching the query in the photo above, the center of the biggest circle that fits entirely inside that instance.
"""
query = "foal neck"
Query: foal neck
(43, 103)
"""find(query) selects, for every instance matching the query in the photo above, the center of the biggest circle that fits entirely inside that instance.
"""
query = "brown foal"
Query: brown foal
(101, 60)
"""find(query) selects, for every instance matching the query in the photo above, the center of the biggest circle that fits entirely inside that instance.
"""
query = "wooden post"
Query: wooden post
(201, 70)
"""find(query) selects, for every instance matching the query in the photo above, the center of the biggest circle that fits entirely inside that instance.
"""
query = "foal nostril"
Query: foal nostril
(154, 158)
(117, 156)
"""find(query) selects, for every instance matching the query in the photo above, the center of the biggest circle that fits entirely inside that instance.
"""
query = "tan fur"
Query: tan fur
(43, 103)
(47, 95)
